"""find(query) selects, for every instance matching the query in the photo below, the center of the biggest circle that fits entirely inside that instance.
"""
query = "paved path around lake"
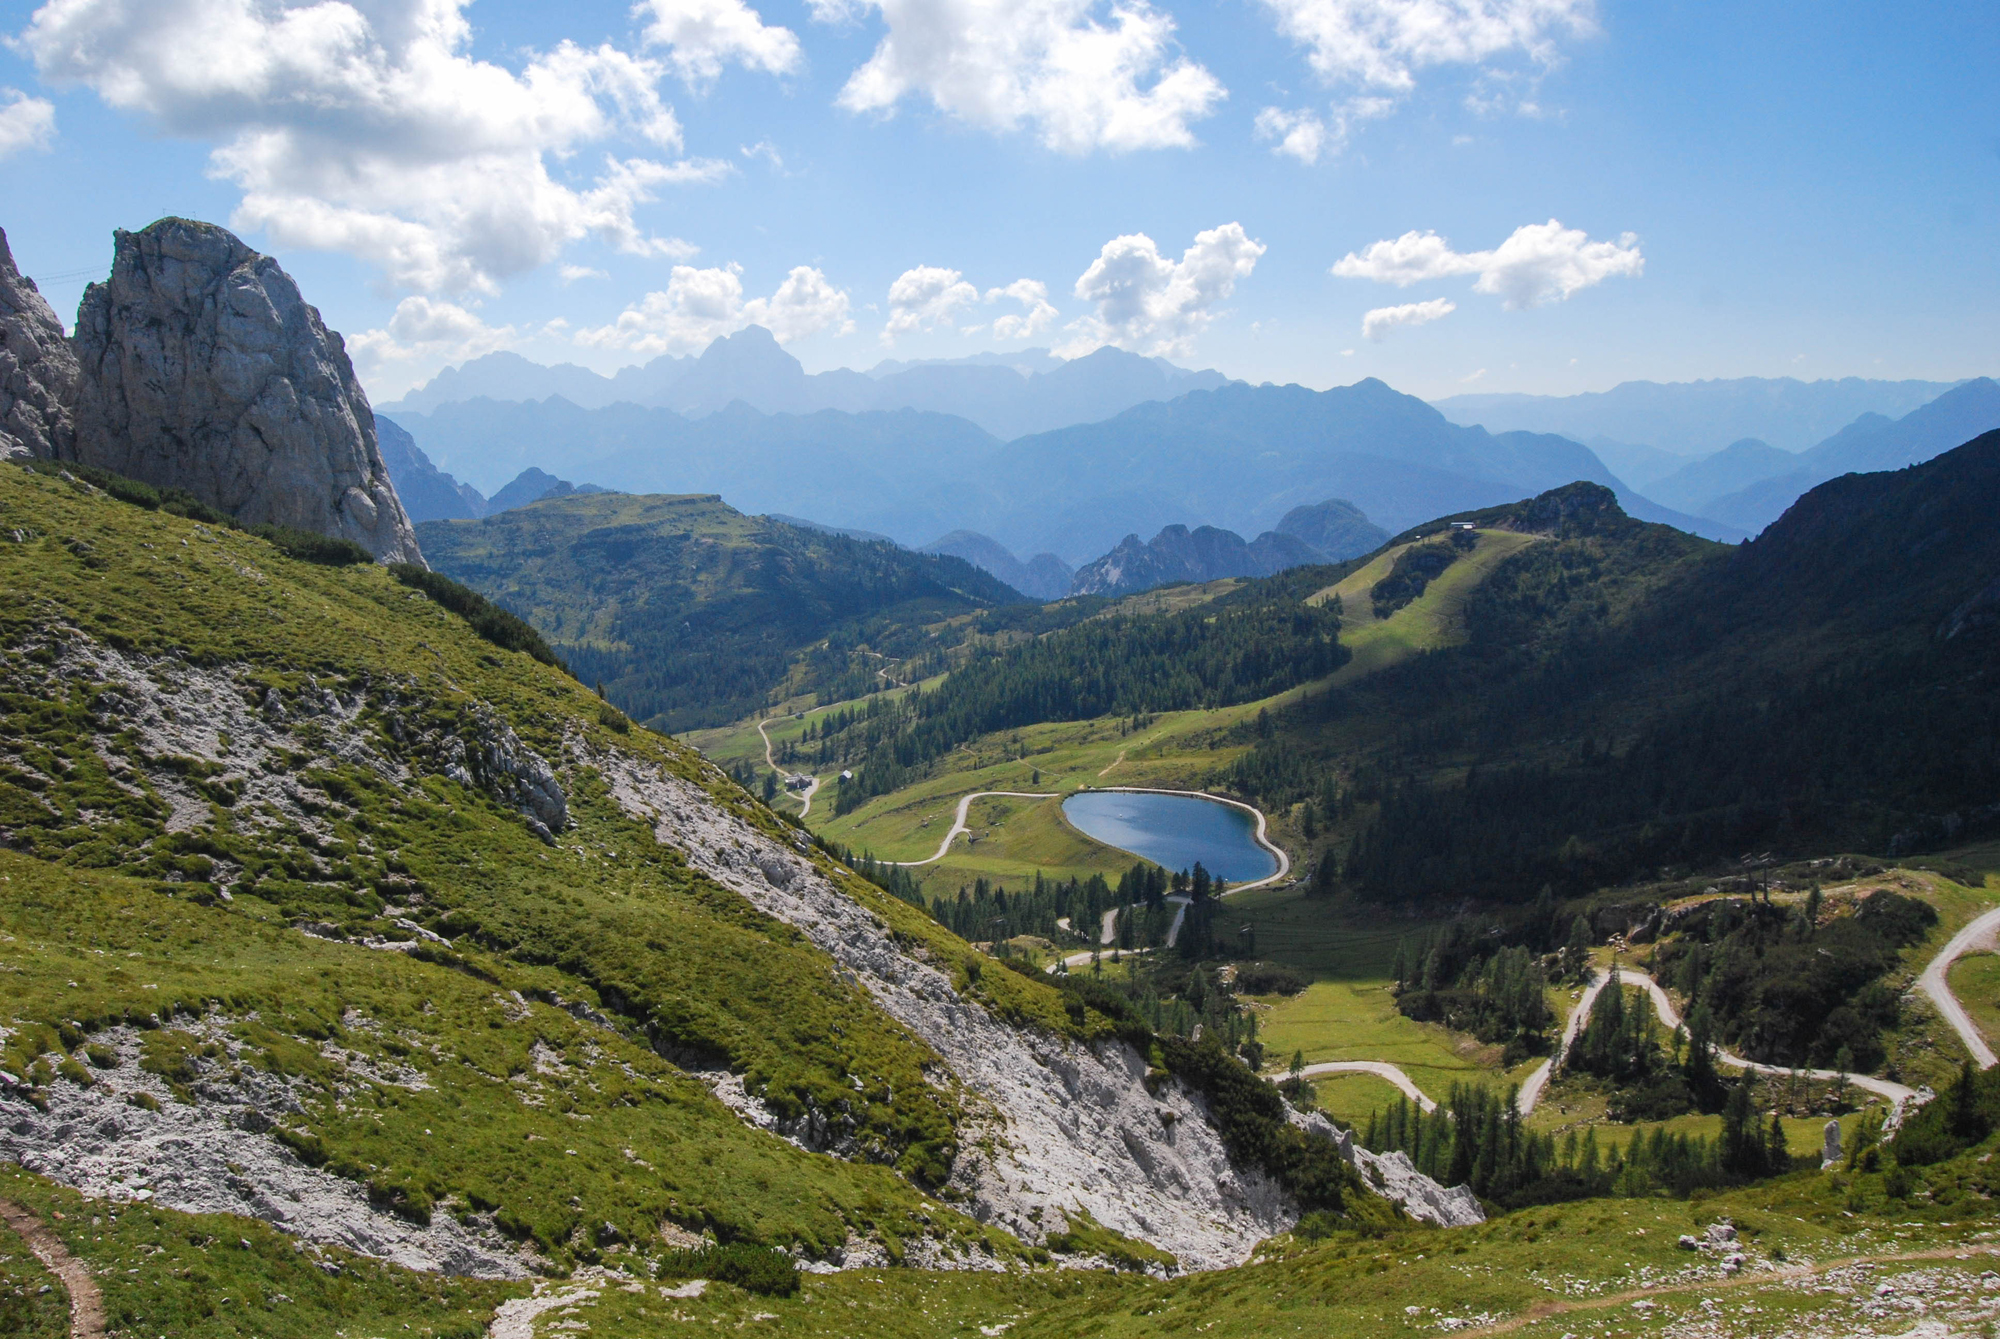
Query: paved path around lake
(1979, 935)
(1262, 833)
(812, 783)
(958, 825)
(86, 1304)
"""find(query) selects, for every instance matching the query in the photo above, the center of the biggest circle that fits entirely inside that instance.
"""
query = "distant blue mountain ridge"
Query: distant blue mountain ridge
(1228, 456)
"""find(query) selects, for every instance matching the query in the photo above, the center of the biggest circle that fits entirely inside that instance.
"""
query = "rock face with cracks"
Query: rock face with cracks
(204, 369)
(38, 372)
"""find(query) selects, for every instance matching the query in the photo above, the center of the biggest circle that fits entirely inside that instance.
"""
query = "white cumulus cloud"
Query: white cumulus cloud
(1383, 43)
(1084, 74)
(1039, 313)
(25, 122)
(700, 306)
(925, 298)
(1150, 304)
(1299, 135)
(1378, 323)
(1539, 263)
(427, 331)
(368, 128)
(1306, 136)
(702, 36)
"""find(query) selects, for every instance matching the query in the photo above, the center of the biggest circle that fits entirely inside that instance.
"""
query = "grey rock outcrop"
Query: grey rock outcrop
(38, 374)
(1179, 554)
(204, 369)
(1394, 1177)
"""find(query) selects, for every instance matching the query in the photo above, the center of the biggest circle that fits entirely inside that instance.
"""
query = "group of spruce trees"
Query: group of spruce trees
(1476, 1138)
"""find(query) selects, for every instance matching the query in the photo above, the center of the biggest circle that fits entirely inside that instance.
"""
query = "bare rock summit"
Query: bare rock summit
(38, 374)
(204, 369)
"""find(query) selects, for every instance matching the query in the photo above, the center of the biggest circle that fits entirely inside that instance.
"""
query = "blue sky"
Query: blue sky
(1742, 189)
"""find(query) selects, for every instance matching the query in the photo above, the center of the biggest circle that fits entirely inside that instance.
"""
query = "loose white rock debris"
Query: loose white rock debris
(1067, 1127)
(215, 1156)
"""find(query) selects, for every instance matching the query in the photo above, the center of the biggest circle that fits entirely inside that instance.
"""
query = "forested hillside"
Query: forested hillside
(1228, 651)
(690, 613)
(1630, 698)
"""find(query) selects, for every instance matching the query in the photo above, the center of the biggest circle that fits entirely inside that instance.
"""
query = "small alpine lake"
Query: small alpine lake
(1174, 831)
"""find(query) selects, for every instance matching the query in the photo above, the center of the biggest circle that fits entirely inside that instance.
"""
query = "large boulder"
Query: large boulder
(203, 369)
(38, 375)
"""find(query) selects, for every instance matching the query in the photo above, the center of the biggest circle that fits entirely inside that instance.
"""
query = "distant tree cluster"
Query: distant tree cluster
(1414, 570)
(1961, 1116)
(1476, 1138)
(1489, 976)
(1783, 988)
(1621, 1045)
(1498, 996)
(986, 910)
(1212, 656)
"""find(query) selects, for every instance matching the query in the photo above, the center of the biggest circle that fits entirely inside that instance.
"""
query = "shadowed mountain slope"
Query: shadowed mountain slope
(691, 613)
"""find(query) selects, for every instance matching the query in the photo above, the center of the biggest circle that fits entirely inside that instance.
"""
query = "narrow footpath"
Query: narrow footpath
(86, 1304)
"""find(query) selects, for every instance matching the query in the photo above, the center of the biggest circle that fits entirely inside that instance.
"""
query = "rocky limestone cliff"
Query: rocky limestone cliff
(204, 369)
(1179, 554)
(38, 374)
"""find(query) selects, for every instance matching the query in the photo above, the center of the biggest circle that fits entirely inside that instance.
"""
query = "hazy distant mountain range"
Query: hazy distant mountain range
(1044, 576)
(1695, 418)
(917, 451)
(1028, 392)
(1238, 457)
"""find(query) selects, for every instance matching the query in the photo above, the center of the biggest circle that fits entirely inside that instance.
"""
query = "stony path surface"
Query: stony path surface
(1544, 1310)
(1981, 934)
(86, 1304)
(516, 1319)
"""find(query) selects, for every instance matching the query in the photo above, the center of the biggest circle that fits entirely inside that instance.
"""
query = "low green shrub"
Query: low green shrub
(507, 631)
(1268, 978)
(757, 1269)
(309, 547)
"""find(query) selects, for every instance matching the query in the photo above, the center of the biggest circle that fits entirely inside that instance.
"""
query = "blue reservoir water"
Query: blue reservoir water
(1174, 831)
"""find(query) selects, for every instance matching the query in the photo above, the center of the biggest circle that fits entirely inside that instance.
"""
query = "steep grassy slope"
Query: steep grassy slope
(691, 613)
(323, 909)
(207, 744)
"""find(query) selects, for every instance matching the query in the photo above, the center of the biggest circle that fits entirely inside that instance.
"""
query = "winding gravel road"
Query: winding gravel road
(1980, 934)
(806, 795)
(1379, 1068)
(958, 821)
(1531, 1091)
